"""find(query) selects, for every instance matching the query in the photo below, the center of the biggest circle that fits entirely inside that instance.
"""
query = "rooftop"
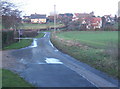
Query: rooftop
(38, 16)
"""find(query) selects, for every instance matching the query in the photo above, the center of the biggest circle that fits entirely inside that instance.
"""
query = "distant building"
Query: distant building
(70, 15)
(88, 20)
(82, 15)
(109, 19)
(38, 18)
(61, 17)
(50, 18)
(35, 18)
(96, 22)
(26, 19)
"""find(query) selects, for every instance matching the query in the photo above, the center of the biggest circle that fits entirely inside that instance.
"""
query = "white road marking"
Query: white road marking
(51, 44)
(53, 61)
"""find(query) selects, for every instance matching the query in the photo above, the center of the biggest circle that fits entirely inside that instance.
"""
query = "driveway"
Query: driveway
(48, 67)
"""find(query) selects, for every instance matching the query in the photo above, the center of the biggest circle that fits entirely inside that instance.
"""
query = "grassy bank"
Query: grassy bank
(0, 78)
(39, 26)
(10, 79)
(96, 48)
(23, 43)
(40, 35)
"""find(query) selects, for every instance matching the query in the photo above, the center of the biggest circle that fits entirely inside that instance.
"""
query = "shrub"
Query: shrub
(30, 33)
(7, 37)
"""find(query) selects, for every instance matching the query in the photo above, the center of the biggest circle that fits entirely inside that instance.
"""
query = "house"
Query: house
(38, 18)
(70, 15)
(26, 19)
(65, 15)
(96, 22)
(88, 20)
(77, 16)
(109, 20)
(50, 18)
(92, 22)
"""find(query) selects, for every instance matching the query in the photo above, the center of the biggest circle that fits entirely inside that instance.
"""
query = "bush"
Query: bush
(7, 37)
(30, 33)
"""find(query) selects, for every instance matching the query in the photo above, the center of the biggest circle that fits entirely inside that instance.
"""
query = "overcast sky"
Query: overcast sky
(100, 7)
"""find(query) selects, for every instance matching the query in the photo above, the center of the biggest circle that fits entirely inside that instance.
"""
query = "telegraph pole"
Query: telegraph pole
(54, 18)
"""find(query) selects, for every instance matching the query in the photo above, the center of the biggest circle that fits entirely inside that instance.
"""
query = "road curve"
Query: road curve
(48, 67)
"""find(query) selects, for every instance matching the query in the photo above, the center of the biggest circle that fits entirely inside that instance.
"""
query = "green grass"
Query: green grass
(99, 49)
(23, 43)
(0, 78)
(39, 26)
(40, 35)
(0, 26)
(10, 79)
(90, 38)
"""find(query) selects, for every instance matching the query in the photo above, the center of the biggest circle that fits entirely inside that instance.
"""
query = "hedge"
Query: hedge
(7, 37)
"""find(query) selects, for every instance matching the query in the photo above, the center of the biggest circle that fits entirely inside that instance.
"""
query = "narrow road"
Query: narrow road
(48, 67)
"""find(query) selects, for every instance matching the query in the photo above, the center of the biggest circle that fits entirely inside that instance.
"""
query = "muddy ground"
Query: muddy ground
(9, 62)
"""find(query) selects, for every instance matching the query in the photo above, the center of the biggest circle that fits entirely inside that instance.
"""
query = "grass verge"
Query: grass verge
(102, 57)
(23, 43)
(40, 35)
(10, 79)
(0, 78)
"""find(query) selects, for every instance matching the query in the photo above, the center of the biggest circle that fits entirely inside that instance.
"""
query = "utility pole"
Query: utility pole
(54, 18)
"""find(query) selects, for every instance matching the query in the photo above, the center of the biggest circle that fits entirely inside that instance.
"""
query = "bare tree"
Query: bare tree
(10, 15)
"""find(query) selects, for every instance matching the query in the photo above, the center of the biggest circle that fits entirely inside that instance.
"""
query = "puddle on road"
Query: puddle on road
(23, 61)
(53, 61)
(40, 63)
(34, 44)
(56, 50)
(45, 35)
(47, 61)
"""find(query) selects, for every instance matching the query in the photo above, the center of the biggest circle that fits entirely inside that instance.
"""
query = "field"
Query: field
(10, 79)
(39, 26)
(99, 39)
(99, 49)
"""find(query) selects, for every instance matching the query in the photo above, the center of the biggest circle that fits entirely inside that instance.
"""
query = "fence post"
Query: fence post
(19, 34)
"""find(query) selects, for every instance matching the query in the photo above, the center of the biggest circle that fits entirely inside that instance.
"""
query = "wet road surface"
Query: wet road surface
(48, 67)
